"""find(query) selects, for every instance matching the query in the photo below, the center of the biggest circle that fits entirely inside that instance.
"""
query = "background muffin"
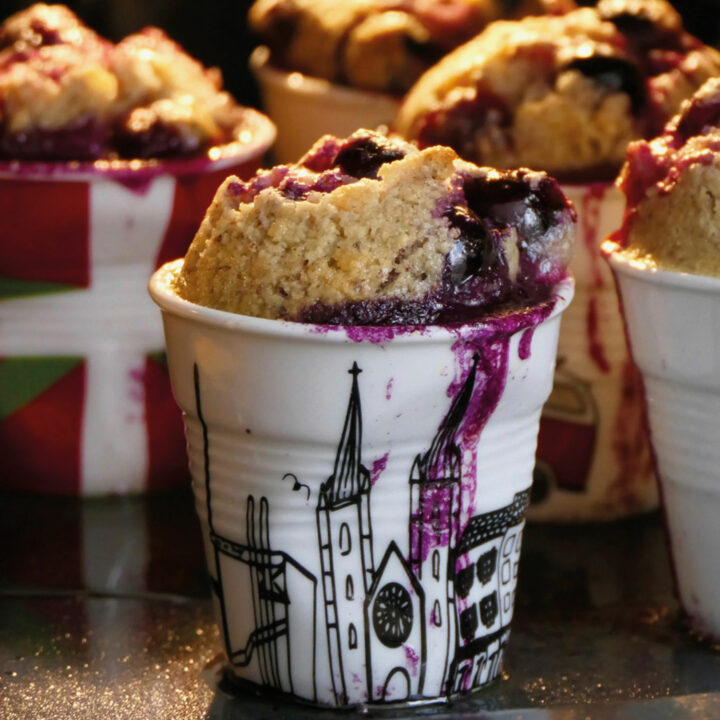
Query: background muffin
(565, 94)
(67, 93)
(379, 45)
(672, 184)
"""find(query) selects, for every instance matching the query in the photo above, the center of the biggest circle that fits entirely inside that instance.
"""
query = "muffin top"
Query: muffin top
(381, 45)
(565, 94)
(672, 185)
(371, 231)
(68, 94)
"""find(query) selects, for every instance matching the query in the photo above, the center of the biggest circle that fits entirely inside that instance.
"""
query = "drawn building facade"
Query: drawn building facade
(396, 650)
(451, 594)
(263, 596)
(486, 565)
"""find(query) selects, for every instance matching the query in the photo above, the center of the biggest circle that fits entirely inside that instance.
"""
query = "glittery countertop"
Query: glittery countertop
(105, 615)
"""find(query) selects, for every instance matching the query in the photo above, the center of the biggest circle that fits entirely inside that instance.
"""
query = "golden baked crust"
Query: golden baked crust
(396, 234)
(673, 188)
(276, 256)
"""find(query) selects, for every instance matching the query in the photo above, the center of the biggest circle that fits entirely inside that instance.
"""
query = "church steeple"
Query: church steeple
(442, 460)
(435, 490)
(350, 477)
(346, 555)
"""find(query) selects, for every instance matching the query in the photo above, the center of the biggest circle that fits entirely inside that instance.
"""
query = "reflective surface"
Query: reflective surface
(105, 613)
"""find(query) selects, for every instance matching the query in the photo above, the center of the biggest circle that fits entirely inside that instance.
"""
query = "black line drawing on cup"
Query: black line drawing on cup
(453, 591)
(297, 485)
(278, 643)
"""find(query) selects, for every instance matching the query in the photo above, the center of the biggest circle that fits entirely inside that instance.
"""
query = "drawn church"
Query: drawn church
(452, 592)
(381, 622)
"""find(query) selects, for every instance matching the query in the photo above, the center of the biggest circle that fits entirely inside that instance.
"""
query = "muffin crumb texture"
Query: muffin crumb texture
(68, 94)
(368, 230)
(672, 184)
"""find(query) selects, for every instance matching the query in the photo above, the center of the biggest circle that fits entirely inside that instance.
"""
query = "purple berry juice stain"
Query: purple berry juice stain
(412, 658)
(378, 467)
(488, 345)
(525, 344)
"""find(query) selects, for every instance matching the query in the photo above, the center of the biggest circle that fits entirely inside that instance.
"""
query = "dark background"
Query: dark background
(215, 31)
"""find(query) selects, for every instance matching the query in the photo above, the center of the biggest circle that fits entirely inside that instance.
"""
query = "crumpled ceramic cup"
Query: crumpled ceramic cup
(673, 322)
(362, 493)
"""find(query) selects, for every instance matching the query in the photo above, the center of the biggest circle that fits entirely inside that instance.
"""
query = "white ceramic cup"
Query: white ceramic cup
(594, 460)
(673, 322)
(305, 108)
(85, 401)
(361, 492)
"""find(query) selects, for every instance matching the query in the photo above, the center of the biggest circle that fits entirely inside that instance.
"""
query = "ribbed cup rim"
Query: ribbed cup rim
(160, 289)
(637, 270)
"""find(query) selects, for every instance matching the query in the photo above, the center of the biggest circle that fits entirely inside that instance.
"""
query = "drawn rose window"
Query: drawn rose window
(392, 615)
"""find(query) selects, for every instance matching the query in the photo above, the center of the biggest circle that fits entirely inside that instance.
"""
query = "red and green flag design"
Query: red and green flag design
(41, 410)
(44, 237)
(167, 458)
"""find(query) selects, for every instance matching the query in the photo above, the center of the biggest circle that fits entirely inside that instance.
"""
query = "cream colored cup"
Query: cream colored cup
(362, 493)
(304, 108)
(673, 322)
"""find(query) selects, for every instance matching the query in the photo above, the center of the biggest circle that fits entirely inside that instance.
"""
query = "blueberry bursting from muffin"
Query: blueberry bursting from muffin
(372, 231)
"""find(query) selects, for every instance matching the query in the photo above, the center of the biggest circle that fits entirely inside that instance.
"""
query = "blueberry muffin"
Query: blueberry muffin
(381, 45)
(565, 94)
(372, 231)
(68, 94)
(672, 184)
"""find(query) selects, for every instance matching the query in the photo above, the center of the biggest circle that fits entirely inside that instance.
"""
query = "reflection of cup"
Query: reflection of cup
(362, 492)
(304, 108)
(674, 332)
(86, 406)
(594, 459)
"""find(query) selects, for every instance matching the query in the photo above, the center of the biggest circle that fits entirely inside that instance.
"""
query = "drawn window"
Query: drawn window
(392, 615)
(489, 609)
(480, 674)
(486, 565)
(352, 637)
(436, 564)
(464, 581)
(349, 588)
(437, 614)
(468, 623)
(345, 543)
